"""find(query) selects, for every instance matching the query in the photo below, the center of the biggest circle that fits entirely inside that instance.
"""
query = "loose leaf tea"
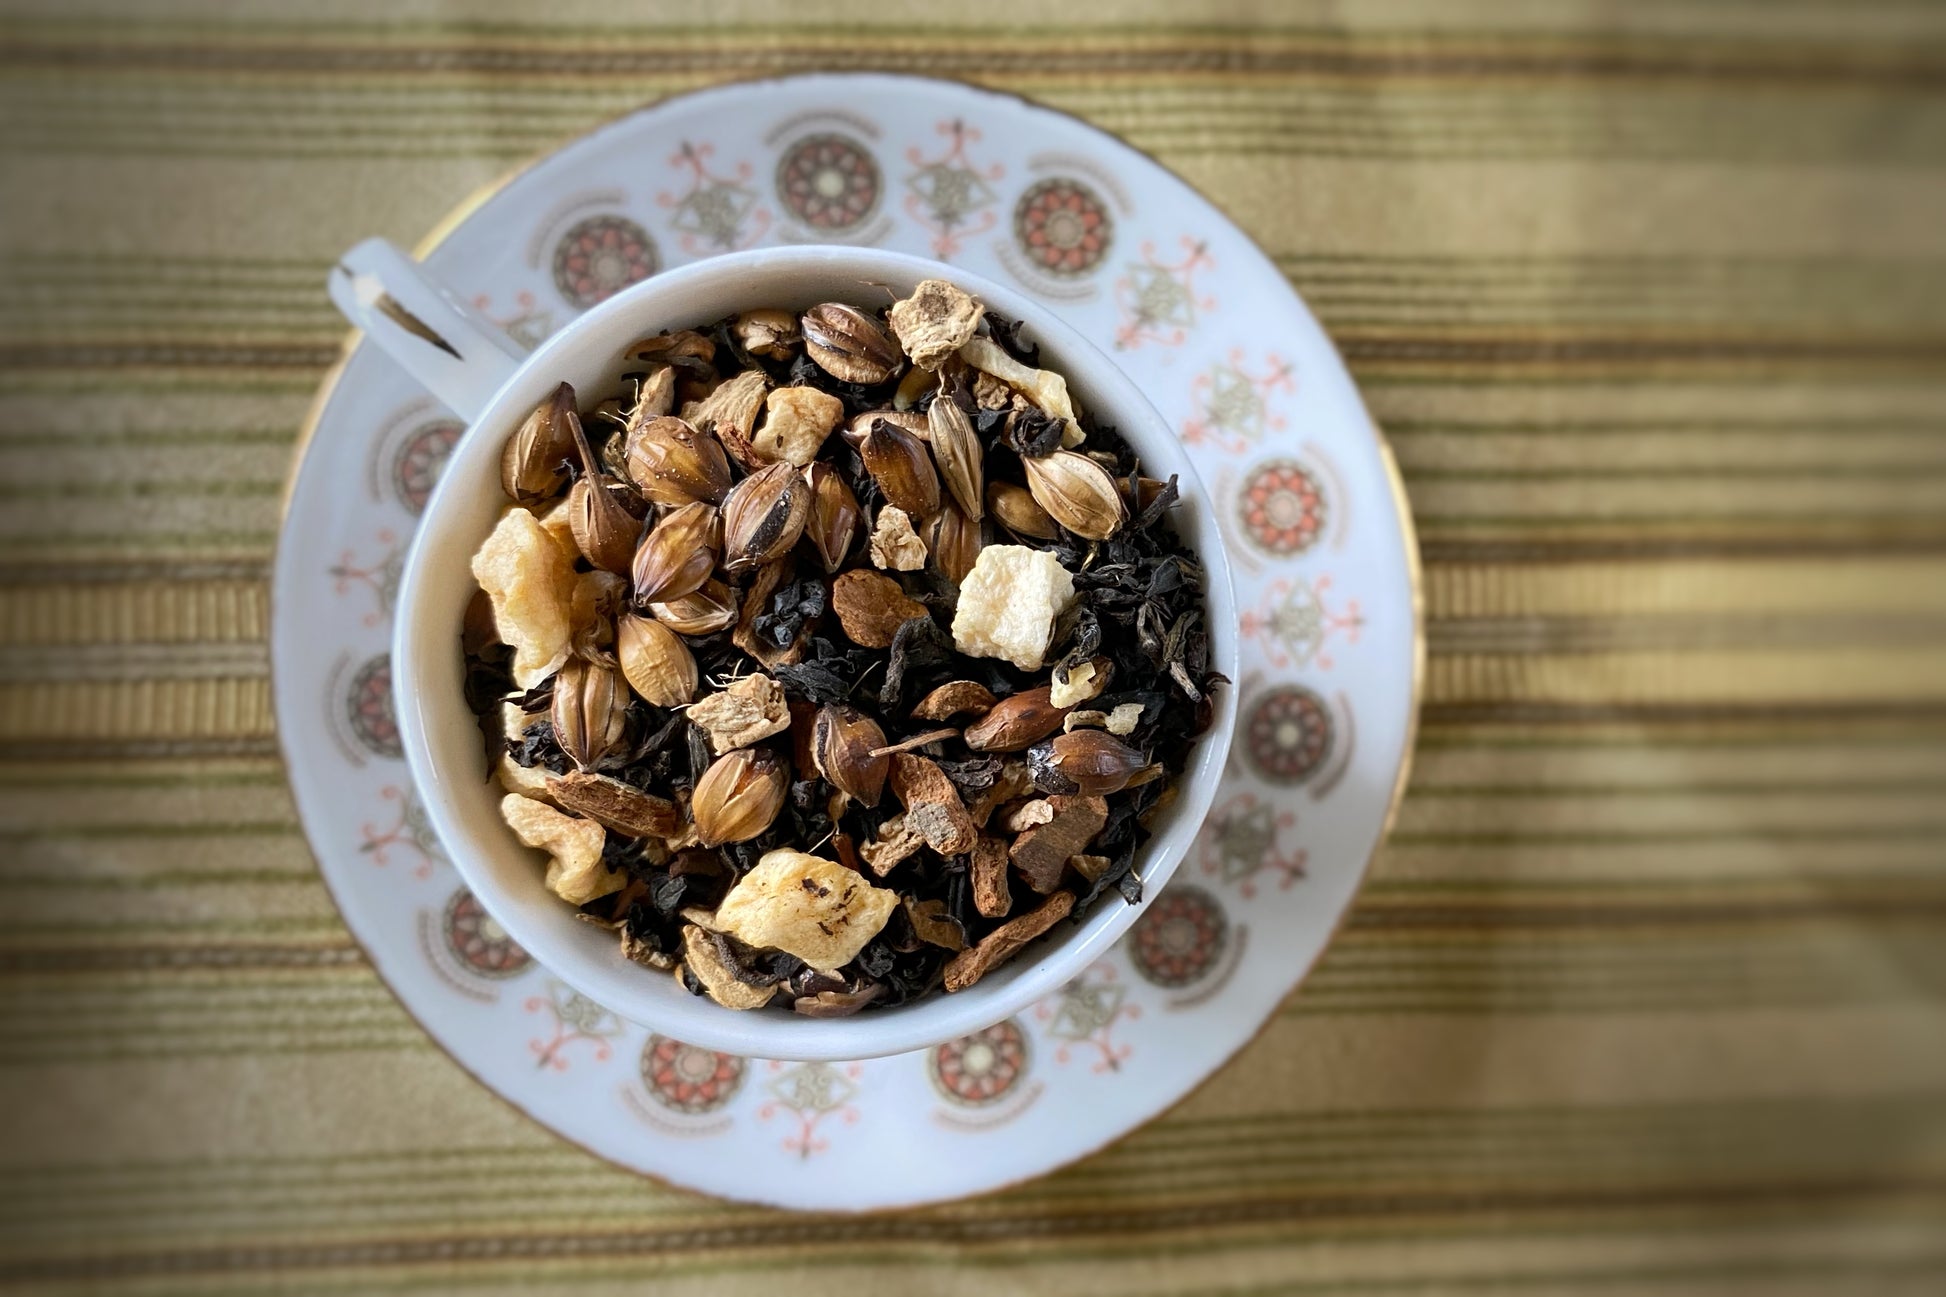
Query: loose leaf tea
(855, 658)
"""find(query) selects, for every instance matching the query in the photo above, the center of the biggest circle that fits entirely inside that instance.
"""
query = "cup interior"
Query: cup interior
(442, 742)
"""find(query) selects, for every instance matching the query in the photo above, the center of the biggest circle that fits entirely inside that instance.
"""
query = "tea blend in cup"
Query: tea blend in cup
(838, 657)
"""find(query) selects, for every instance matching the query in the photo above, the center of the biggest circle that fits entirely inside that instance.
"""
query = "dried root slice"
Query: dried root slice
(894, 545)
(896, 841)
(531, 582)
(797, 903)
(936, 321)
(1041, 852)
(711, 964)
(952, 699)
(575, 873)
(991, 895)
(752, 708)
(931, 923)
(1005, 941)
(731, 413)
(616, 806)
(1043, 387)
(871, 607)
(932, 805)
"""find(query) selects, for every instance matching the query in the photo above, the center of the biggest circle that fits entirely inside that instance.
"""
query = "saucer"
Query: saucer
(1318, 535)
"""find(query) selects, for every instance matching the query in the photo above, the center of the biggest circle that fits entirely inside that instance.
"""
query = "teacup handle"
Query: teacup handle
(457, 354)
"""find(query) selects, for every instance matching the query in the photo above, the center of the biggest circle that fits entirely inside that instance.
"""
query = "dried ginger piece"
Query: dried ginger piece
(576, 872)
(936, 321)
(1005, 941)
(796, 422)
(895, 545)
(752, 708)
(531, 583)
(1043, 387)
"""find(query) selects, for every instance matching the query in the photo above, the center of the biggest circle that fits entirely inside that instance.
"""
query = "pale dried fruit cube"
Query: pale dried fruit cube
(895, 545)
(576, 873)
(558, 522)
(1008, 603)
(751, 708)
(1079, 683)
(531, 583)
(805, 906)
(1125, 718)
(796, 422)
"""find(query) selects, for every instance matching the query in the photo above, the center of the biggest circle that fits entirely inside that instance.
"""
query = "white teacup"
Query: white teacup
(468, 363)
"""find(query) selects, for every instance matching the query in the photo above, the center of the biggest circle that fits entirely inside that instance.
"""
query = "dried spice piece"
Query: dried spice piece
(710, 608)
(849, 344)
(764, 516)
(739, 796)
(534, 466)
(677, 556)
(871, 607)
(771, 334)
(991, 895)
(589, 712)
(954, 698)
(1015, 508)
(730, 414)
(935, 322)
(576, 871)
(901, 467)
(673, 464)
(1085, 761)
(955, 542)
(707, 957)
(1077, 493)
(750, 709)
(531, 584)
(956, 449)
(805, 906)
(932, 805)
(1041, 852)
(844, 750)
(830, 665)
(1006, 941)
(616, 806)
(833, 524)
(796, 422)
(656, 663)
(1016, 722)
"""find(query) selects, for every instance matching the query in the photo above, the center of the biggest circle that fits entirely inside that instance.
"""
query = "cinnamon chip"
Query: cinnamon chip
(616, 806)
(991, 896)
(871, 607)
(932, 805)
(949, 700)
(1041, 853)
(1005, 941)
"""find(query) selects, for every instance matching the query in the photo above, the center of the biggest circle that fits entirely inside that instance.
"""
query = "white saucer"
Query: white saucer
(1326, 571)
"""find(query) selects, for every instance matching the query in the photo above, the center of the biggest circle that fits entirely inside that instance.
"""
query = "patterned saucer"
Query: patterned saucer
(1321, 544)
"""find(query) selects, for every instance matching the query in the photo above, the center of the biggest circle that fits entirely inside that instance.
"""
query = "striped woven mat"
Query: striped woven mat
(1648, 991)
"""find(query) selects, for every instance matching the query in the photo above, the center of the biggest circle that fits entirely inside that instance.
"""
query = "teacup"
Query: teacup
(468, 363)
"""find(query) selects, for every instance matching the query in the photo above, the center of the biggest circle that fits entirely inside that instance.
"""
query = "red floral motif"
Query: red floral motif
(716, 213)
(577, 1020)
(1287, 734)
(687, 1079)
(1063, 226)
(409, 829)
(1232, 403)
(380, 575)
(1282, 508)
(368, 708)
(811, 1092)
(1084, 1013)
(1296, 620)
(1157, 299)
(949, 194)
(478, 941)
(1181, 937)
(830, 182)
(600, 257)
(1241, 839)
(981, 1068)
(421, 458)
